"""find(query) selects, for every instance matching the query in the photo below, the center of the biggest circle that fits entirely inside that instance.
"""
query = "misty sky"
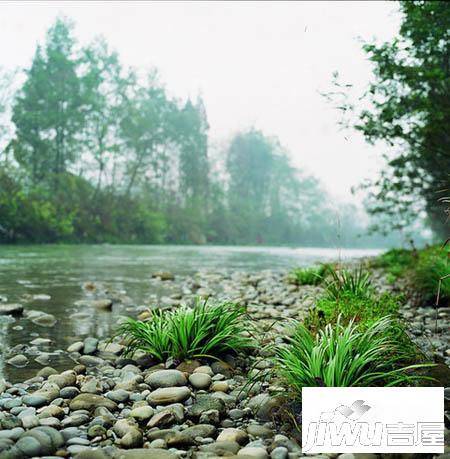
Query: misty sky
(255, 64)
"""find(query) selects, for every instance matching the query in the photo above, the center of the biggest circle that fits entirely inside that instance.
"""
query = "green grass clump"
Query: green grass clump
(307, 276)
(206, 330)
(396, 262)
(362, 309)
(432, 264)
(343, 355)
(343, 282)
(350, 297)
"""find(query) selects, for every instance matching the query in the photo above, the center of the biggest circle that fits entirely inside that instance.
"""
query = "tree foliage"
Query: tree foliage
(407, 105)
(101, 153)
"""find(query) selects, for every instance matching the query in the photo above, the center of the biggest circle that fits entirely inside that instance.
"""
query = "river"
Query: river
(61, 270)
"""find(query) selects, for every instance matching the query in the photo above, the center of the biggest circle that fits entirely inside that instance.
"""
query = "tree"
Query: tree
(6, 94)
(49, 111)
(104, 88)
(145, 129)
(409, 108)
(191, 132)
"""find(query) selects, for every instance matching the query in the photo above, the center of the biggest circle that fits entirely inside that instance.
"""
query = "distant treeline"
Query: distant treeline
(91, 152)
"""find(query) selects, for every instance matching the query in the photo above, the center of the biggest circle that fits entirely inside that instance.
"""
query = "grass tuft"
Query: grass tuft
(206, 330)
(354, 282)
(343, 356)
(307, 276)
(433, 265)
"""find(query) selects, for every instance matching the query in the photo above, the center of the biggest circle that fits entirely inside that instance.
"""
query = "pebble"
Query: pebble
(220, 386)
(142, 413)
(280, 452)
(200, 380)
(76, 347)
(233, 435)
(167, 395)
(18, 361)
(254, 451)
(69, 392)
(166, 379)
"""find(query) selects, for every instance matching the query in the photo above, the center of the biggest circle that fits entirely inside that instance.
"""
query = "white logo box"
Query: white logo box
(372, 420)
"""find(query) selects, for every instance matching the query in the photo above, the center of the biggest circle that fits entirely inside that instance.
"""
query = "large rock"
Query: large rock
(90, 402)
(166, 378)
(167, 395)
(11, 309)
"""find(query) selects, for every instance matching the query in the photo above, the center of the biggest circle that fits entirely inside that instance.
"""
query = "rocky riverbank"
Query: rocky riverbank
(106, 405)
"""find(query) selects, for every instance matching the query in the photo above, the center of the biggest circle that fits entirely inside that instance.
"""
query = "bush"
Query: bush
(432, 265)
(202, 331)
(364, 310)
(307, 276)
(343, 356)
(396, 262)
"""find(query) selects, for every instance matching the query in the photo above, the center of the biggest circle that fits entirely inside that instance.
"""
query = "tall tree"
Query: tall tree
(192, 136)
(409, 108)
(49, 111)
(104, 86)
(145, 129)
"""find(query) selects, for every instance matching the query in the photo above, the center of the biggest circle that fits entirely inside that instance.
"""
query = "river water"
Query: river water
(61, 270)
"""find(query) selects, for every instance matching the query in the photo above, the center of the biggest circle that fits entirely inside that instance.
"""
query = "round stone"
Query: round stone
(279, 453)
(69, 392)
(18, 361)
(167, 395)
(166, 378)
(204, 369)
(200, 380)
(142, 413)
(254, 451)
(234, 435)
(220, 386)
(118, 396)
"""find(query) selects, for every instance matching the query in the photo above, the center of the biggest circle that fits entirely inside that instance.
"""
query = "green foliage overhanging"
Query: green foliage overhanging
(406, 106)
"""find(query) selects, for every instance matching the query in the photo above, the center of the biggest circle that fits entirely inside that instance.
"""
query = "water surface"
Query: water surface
(61, 270)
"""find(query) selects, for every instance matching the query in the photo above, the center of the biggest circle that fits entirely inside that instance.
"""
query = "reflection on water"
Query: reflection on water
(60, 271)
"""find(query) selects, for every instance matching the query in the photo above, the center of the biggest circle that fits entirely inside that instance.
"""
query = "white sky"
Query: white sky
(255, 63)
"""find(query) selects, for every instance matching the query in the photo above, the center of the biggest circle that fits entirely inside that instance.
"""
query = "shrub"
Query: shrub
(348, 282)
(396, 262)
(364, 310)
(343, 356)
(202, 331)
(307, 276)
(432, 265)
